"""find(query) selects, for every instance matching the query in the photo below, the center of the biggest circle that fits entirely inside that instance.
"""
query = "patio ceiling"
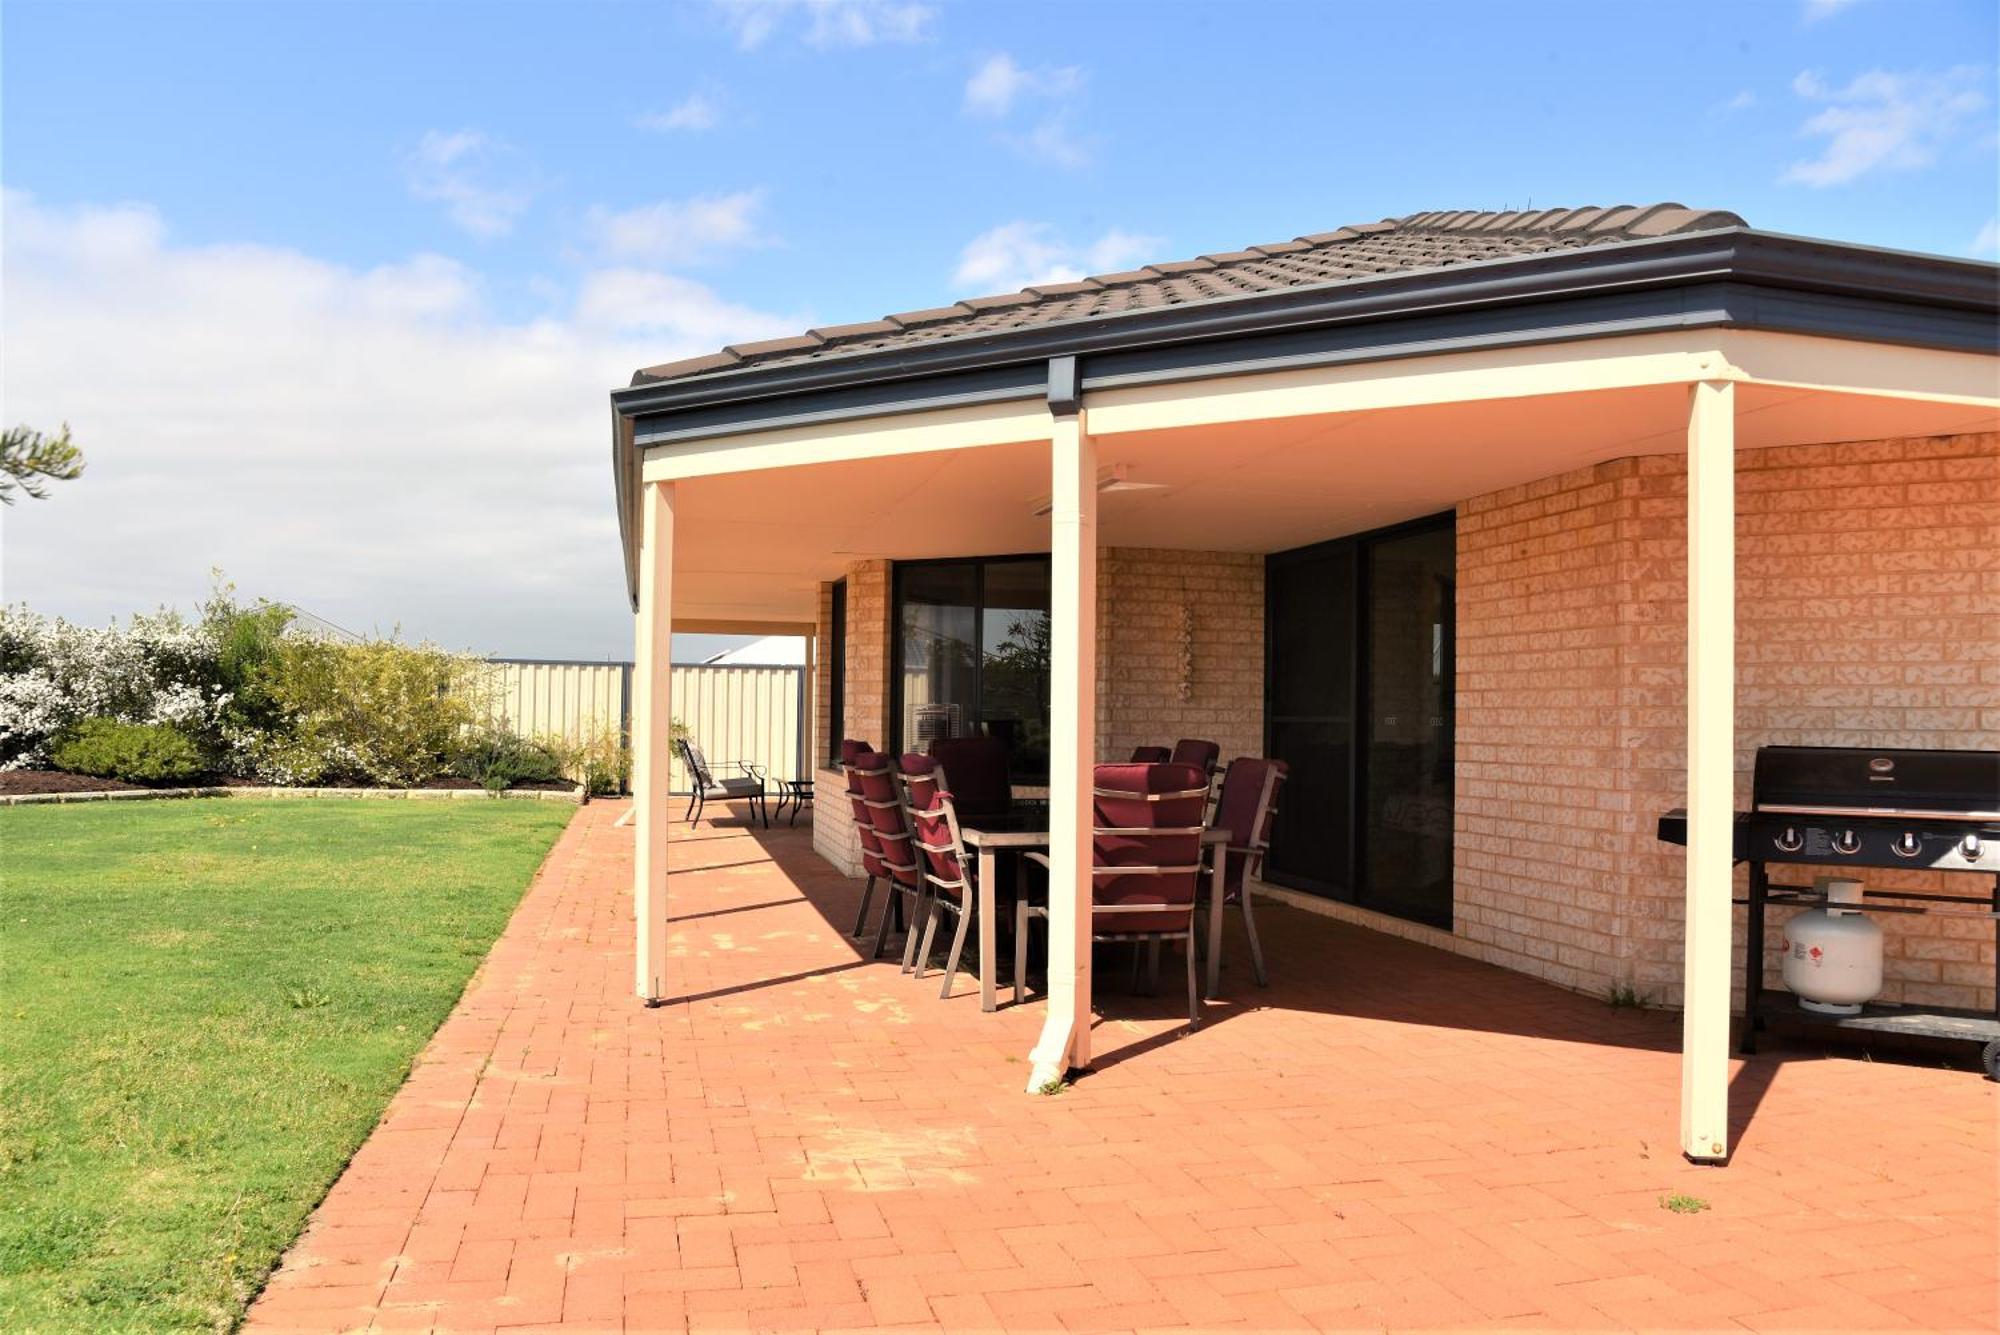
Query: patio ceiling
(755, 545)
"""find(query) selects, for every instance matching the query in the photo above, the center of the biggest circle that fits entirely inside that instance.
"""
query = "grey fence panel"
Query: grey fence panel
(750, 713)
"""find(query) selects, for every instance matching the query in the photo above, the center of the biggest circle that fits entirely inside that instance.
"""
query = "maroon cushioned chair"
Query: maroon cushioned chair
(871, 848)
(975, 770)
(947, 871)
(1151, 755)
(877, 803)
(1145, 862)
(1246, 809)
(1194, 751)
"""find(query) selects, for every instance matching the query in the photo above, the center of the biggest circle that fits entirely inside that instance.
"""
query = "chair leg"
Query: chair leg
(892, 907)
(933, 911)
(1153, 967)
(957, 950)
(1020, 949)
(694, 801)
(919, 920)
(1256, 949)
(1194, 991)
(861, 918)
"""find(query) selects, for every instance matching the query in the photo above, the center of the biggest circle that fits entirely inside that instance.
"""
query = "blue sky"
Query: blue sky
(378, 212)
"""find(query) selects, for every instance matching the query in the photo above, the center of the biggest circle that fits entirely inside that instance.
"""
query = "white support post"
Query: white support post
(1065, 1040)
(1711, 770)
(652, 736)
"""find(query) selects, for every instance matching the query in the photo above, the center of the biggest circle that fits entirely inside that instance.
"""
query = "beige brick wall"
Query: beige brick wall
(866, 707)
(1868, 613)
(1147, 600)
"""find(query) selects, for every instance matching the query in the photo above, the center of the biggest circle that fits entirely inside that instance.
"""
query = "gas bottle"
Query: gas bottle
(1833, 955)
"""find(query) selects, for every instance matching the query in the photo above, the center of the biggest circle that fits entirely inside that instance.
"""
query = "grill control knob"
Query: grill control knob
(1907, 844)
(1791, 841)
(1847, 842)
(1969, 847)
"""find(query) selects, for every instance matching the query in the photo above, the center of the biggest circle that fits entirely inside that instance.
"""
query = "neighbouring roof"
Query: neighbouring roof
(1418, 241)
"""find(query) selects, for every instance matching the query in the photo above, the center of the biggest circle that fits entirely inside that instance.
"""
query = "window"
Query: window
(836, 672)
(972, 656)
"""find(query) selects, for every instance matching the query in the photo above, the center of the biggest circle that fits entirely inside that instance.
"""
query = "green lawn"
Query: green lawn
(204, 1007)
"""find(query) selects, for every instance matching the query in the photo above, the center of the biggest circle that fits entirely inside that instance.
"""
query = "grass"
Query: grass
(1682, 1203)
(204, 1008)
(1624, 996)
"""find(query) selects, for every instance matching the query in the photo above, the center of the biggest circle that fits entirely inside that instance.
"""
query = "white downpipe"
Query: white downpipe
(1065, 1040)
(1711, 769)
(652, 740)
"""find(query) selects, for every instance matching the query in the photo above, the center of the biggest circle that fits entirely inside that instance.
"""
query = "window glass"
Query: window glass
(972, 642)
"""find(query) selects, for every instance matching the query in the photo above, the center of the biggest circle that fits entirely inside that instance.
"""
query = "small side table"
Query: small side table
(798, 793)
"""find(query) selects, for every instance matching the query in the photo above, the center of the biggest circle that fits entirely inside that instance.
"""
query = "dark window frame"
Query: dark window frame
(836, 672)
(1349, 889)
(896, 739)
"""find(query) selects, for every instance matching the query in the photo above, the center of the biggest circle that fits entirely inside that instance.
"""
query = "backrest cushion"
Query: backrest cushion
(975, 769)
(1195, 751)
(1147, 816)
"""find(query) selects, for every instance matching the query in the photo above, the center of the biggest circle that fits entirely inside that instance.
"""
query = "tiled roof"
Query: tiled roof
(1395, 245)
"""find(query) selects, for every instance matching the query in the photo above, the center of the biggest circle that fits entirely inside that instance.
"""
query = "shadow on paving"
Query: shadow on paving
(1316, 964)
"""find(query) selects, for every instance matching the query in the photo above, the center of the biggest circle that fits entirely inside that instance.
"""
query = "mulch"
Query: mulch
(23, 782)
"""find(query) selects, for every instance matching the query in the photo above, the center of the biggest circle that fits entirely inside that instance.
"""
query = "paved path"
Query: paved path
(1387, 1137)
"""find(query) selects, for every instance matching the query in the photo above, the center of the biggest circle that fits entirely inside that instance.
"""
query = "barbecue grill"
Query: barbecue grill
(1851, 807)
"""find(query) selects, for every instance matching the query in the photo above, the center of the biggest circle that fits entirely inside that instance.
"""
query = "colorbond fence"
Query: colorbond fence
(736, 713)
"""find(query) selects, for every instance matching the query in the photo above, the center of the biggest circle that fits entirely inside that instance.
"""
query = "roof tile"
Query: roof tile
(1417, 241)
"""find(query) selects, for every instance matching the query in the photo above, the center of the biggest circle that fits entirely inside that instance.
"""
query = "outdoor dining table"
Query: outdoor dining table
(1025, 829)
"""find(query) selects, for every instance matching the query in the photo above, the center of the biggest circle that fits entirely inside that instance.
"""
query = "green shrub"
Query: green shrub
(379, 712)
(135, 752)
(497, 759)
(598, 760)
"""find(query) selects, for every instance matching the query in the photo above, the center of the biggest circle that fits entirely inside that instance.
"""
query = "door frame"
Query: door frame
(1350, 891)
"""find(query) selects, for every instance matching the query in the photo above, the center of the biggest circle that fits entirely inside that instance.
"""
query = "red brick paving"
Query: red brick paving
(1388, 1137)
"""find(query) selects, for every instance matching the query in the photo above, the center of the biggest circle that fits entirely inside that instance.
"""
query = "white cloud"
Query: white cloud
(1988, 240)
(997, 84)
(1022, 254)
(679, 231)
(374, 444)
(1815, 10)
(1884, 120)
(693, 112)
(1052, 140)
(828, 23)
(478, 180)
(1002, 85)
(1743, 101)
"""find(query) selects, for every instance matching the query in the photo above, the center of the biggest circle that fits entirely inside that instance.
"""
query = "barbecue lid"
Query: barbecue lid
(1944, 783)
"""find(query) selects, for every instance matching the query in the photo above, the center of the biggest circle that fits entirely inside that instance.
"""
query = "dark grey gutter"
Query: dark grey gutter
(1730, 278)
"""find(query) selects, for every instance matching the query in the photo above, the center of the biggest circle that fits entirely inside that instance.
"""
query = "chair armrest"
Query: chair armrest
(1041, 859)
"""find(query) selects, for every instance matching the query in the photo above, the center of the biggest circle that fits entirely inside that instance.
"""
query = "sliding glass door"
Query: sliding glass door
(1358, 699)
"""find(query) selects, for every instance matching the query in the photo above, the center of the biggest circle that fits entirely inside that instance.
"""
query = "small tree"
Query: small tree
(29, 461)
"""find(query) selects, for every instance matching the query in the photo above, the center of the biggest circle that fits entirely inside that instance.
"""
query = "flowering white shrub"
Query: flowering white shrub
(253, 695)
(54, 674)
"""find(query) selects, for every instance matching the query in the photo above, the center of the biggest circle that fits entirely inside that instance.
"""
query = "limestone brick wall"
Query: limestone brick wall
(865, 711)
(1141, 595)
(1868, 612)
